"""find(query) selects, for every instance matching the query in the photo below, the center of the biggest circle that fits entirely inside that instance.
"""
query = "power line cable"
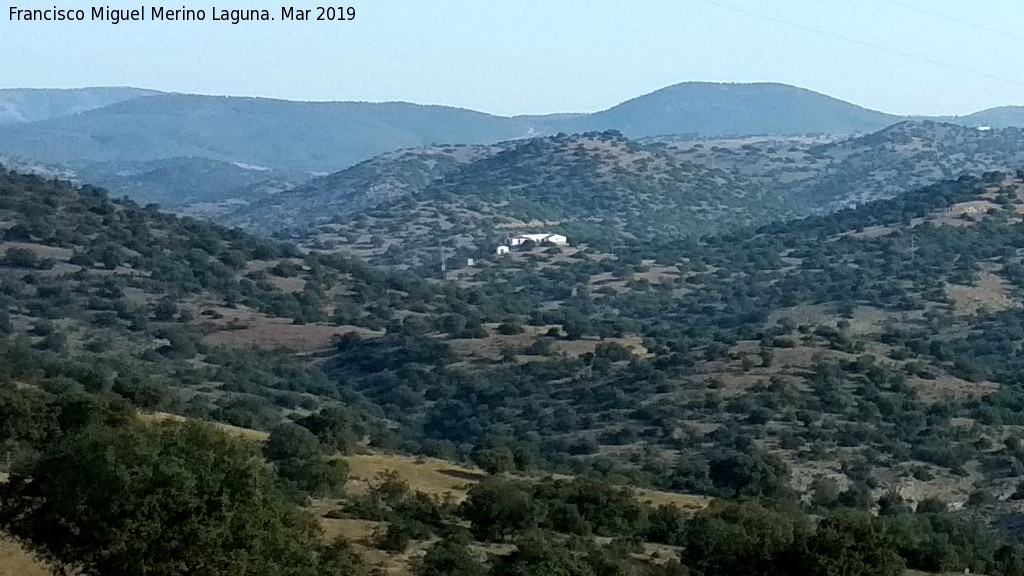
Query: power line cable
(954, 19)
(866, 43)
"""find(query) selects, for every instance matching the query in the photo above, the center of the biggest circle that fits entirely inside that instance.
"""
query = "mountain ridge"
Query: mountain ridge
(699, 107)
(92, 142)
(531, 116)
(33, 104)
(576, 178)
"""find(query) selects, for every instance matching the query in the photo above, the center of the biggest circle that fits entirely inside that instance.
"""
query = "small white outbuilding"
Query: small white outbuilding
(502, 250)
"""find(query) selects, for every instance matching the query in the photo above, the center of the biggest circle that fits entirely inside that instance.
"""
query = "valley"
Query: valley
(744, 350)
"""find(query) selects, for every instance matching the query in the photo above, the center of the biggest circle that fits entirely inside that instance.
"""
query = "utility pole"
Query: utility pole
(444, 267)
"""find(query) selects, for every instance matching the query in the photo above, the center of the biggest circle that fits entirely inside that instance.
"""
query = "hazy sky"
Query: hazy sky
(534, 56)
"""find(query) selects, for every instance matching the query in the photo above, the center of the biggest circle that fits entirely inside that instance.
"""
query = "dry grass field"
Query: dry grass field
(244, 327)
(15, 561)
(40, 250)
(440, 477)
(681, 501)
(991, 293)
(429, 475)
(246, 433)
(490, 349)
(280, 334)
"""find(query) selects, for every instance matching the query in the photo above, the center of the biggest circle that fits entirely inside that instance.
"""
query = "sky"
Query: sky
(509, 57)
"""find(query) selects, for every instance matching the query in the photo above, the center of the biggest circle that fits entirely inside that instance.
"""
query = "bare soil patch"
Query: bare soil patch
(288, 285)
(947, 387)
(41, 251)
(491, 348)
(244, 327)
(429, 475)
(991, 293)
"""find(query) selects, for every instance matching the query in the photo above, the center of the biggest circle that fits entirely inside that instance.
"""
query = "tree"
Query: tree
(160, 499)
(852, 543)
(536, 555)
(300, 463)
(824, 492)
(750, 474)
(451, 323)
(20, 258)
(931, 505)
(743, 539)
(450, 557)
(27, 417)
(334, 426)
(497, 508)
(666, 525)
(395, 537)
(495, 460)
(140, 390)
(892, 504)
(290, 441)
(510, 328)
(389, 488)
(165, 310)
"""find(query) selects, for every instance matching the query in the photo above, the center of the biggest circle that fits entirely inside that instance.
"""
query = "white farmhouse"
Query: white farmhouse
(556, 239)
(502, 250)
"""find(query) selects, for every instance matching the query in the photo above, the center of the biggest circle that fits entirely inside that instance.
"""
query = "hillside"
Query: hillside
(277, 134)
(31, 105)
(597, 187)
(826, 174)
(101, 278)
(998, 117)
(104, 287)
(189, 181)
(713, 109)
(603, 188)
(368, 184)
(863, 360)
(797, 335)
(873, 351)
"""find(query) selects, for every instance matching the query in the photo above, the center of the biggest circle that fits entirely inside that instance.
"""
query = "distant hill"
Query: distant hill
(604, 187)
(188, 180)
(106, 135)
(824, 174)
(114, 125)
(363, 186)
(1000, 117)
(716, 109)
(906, 156)
(276, 134)
(30, 105)
(598, 185)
